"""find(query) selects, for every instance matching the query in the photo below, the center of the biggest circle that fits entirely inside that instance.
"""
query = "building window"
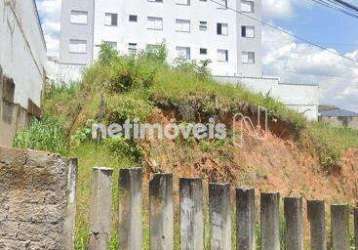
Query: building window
(155, 23)
(183, 52)
(248, 31)
(222, 29)
(132, 48)
(133, 18)
(111, 19)
(247, 6)
(79, 17)
(78, 46)
(222, 4)
(223, 55)
(182, 2)
(203, 26)
(182, 25)
(113, 45)
(248, 57)
(152, 48)
(203, 51)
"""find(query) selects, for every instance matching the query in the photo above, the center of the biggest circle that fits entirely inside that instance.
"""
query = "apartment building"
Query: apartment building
(222, 31)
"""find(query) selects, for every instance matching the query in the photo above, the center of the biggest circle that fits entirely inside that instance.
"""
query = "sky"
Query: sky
(293, 60)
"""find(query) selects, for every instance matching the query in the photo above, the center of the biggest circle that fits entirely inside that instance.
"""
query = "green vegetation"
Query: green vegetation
(117, 88)
(328, 143)
(46, 134)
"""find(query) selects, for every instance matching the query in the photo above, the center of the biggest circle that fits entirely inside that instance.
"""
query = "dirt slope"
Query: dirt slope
(271, 164)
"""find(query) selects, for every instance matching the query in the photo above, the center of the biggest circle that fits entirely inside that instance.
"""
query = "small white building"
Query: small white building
(222, 31)
(22, 62)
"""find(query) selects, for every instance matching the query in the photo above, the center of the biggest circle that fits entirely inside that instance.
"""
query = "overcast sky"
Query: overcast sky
(290, 59)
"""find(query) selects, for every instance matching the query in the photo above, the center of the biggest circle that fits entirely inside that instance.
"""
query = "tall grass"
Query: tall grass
(46, 134)
(132, 87)
(328, 143)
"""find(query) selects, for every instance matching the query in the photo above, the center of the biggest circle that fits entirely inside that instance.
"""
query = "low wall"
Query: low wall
(13, 117)
(303, 98)
(37, 200)
(349, 122)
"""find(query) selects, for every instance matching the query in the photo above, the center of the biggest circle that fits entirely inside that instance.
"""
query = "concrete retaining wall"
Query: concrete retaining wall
(37, 200)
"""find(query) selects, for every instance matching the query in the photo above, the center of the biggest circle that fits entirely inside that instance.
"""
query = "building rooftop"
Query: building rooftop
(338, 113)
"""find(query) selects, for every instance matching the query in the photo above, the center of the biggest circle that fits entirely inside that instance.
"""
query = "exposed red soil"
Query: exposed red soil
(269, 164)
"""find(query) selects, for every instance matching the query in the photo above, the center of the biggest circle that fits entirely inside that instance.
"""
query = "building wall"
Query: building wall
(350, 122)
(250, 44)
(76, 31)
(137, 32)
(22, 49)
(302, 98)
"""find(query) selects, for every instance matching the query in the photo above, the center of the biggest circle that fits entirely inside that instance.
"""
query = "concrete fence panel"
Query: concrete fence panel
(340, 227)
(270, 221)
(220, 216)
(245, 219)
(191, 214)
(293, 210)
(161, 213)
(70, 217)
(131, 208)
(355, 214)
(316, 218)
(101, 208)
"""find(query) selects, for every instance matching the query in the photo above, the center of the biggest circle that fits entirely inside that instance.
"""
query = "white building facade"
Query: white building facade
(224, 32)
(22, 49)
(22, 66)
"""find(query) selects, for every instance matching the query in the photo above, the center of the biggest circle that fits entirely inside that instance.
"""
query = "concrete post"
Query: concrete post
(220, 216)
(245, 219)
(294, 236)
(270, 221)
(130, 212)
(161, 216)
(191, 214)
(340, 227)
(356, 227)
(71, 205)
(101, 208)
(316, 218)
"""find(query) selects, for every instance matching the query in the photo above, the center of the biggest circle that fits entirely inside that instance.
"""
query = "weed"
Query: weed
(46, 134)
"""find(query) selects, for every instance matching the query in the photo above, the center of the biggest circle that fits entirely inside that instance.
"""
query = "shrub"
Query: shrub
(157, 54)
(123, 148)
(46, 134)
(328, 142)
(107, 54)
(118, 74)
(127, 106)
(82, 134)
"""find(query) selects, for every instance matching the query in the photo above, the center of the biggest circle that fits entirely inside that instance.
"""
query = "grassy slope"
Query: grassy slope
(136, 88)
